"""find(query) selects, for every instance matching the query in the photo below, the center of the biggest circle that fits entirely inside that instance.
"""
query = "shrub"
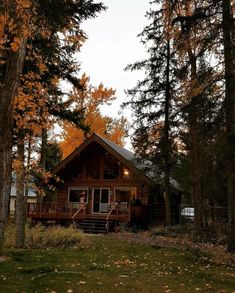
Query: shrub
(172, 231)
(48, 237)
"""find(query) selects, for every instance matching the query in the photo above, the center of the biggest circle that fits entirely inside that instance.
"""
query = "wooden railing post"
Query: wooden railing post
(117, 211)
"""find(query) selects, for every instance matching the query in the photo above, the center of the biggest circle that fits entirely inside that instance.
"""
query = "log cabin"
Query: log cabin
(101, 186)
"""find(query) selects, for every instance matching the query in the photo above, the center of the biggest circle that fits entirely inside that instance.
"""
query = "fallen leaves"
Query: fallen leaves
(125, 261)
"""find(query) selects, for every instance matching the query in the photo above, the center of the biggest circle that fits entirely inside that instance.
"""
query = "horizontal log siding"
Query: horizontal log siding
(141, 193)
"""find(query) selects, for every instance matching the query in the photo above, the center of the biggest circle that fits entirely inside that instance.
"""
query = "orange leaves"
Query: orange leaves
(24, 3)
(15, 44)
(16, 23)
(89, 99)
(3, 21)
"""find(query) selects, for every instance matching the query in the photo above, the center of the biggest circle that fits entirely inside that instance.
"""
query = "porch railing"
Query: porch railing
(119, 211)
(81, 210)
(76, 210)
(54, 210)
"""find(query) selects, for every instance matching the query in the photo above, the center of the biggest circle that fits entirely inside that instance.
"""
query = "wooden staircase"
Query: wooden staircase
(95, 226)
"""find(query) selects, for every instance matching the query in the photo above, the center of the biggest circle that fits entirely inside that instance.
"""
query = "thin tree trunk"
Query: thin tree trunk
(20, 203)
(26, 194)
(42, 157)
(196, 171)
(43, 148)
(8, 90)
(166, 145)
(229, 58)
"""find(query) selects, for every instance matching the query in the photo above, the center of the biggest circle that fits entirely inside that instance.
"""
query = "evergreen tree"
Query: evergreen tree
(229, 57)
(151, 99)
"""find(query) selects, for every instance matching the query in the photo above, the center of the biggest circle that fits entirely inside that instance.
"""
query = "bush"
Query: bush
(172, 231)
(47, 237)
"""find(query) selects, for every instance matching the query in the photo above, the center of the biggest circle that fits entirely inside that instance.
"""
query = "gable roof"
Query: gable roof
(125, 156)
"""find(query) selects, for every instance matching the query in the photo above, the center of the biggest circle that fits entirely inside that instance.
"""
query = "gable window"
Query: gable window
(93, 168)
(111, 167)
(78, 194)
(126, 173)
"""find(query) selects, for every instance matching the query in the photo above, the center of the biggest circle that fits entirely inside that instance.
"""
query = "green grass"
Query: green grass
(110, 265)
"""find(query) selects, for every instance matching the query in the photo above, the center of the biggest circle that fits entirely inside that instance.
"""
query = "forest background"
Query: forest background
(184, 108)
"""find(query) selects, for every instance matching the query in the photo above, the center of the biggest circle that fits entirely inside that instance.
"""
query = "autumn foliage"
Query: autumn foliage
(89, 99)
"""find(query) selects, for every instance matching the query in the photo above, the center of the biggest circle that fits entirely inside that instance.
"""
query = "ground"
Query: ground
(122, 262)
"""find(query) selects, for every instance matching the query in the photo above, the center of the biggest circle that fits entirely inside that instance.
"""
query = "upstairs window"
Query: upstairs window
(93, 168)
(111, 167)
(126, 173)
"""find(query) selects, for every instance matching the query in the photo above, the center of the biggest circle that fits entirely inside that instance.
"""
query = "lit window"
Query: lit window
(125, 173)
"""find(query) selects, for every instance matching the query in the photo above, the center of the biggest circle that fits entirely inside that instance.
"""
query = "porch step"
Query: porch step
(95, 226)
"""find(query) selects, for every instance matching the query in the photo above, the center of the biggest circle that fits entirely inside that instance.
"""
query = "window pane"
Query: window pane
(124, 195)
(96, 203)
(77, 195)
(111, 167)
(104, 196)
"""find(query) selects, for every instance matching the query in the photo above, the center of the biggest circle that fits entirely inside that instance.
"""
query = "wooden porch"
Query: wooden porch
(71, 211)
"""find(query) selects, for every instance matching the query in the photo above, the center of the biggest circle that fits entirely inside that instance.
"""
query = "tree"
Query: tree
(229, 57)
(19, 23)
(195, 90)
(88, 99)
(14, 30)
(151, 99)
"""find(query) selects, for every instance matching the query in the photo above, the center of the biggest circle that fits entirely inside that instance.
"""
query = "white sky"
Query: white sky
(112, 44)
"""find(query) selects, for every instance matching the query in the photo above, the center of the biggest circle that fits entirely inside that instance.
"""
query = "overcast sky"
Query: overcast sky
(112, 44)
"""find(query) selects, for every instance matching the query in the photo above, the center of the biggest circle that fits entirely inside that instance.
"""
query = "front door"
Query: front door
(100, 200)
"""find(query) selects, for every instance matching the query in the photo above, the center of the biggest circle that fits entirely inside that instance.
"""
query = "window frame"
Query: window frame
(83, 188)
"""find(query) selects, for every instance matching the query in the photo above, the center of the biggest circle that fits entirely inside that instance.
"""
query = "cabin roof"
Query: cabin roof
(124, 155)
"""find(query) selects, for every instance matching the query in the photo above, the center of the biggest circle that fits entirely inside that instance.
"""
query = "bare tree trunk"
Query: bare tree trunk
(42, 157)
(229, 58)
(20, 203)
(196, 171)
(166, 145)
(8, 90)
(27, 178)
(43, 148)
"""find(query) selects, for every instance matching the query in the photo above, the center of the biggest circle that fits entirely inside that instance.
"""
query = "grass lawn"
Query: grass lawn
(111, 265)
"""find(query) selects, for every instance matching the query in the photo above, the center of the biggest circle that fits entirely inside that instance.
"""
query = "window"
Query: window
(126, 174)
(125, 194)
(78, 194)
(93, 168)
(111, 167)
